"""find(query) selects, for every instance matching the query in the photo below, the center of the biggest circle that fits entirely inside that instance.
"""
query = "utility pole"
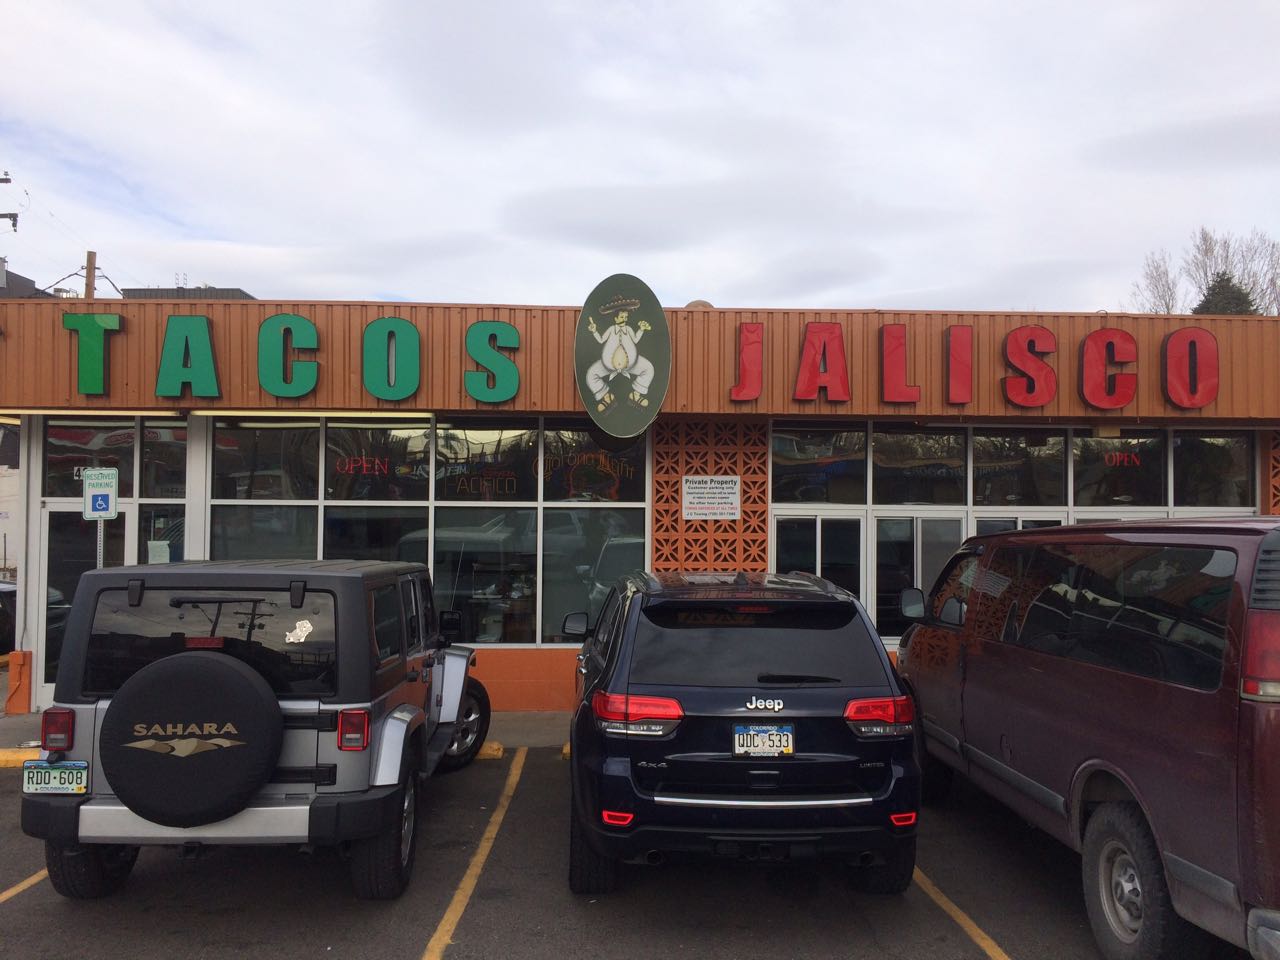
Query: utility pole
(90, 271)
(11, 217)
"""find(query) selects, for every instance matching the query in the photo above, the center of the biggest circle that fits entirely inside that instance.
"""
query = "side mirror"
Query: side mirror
(911, 602)
(952, 612)
(450, 627)
(575, 625)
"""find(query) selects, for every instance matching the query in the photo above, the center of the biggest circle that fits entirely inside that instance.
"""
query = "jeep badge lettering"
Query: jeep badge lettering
(755, 703)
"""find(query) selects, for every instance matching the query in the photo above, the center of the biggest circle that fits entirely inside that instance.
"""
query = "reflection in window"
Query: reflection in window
(1213, 469)
(376, 533)
(72, 445)
(164, 459)
(895, 569)
(1127, 470)
(1026, 468)
(582, 463)
(918, 465)
(486, 569)
(487, 463)
(822, 465)
(161, 532)
(377, 463)
(242, 532)
(265, 461)
(585, 550)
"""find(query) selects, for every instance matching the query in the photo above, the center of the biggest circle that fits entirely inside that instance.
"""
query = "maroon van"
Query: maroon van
(1118, 685)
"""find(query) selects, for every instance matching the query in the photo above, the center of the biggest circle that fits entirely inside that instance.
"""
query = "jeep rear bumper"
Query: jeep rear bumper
(327, 819)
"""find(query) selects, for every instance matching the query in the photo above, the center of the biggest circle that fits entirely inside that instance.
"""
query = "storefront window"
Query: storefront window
(376, 533)
(918, 466)
(1023, 468)
(822, 465)
(1123, 471)
(377, 463)
(72, 445)
(1213, 470)
(584, 551)
(164, 459)
(265, 461)
(161, 532)
(486, 568)
(486, 462)
(586, 464)
(242, 532)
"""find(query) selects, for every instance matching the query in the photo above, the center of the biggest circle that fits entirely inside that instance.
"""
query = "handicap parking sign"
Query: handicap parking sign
(101, 490)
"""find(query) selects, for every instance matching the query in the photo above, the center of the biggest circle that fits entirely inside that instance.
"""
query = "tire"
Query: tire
(936, 780)
(470, 730)
(189, 739)
(894, 875)
(382, 865)
(1125, 892)
(88, 871)
(590, 873)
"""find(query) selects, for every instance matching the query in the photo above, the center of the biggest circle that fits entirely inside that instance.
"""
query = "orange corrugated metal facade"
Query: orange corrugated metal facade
(38, 360)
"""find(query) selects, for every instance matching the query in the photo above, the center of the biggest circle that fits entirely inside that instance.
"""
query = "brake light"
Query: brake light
(616, 818)
(1260, 671)
(903, 819)
(353, 729)
(642, 716)
(57, 730)
(747, 608)
(881, 716)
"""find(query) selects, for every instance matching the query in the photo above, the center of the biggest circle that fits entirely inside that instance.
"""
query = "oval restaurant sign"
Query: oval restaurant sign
(622, 355)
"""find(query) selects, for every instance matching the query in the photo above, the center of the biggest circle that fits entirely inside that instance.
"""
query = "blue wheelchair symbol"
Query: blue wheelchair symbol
(102, 503)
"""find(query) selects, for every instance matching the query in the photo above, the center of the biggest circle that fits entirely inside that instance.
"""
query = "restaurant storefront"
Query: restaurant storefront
(860, 445)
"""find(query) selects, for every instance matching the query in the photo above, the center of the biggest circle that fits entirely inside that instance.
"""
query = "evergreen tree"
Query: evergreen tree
(1225, 296)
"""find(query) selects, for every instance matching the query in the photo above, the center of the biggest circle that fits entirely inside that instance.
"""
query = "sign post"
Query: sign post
(101, 499)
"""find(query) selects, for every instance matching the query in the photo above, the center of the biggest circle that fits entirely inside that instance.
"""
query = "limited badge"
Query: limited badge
(299, 632)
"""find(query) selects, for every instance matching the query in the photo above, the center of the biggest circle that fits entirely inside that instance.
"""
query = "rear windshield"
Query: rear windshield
(293, 648)
(755, 645)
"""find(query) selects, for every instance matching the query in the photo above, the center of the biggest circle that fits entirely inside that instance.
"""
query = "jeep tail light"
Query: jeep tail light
(1260, 671)
(57, 729)
(903, 819)
(641, 716)
(353, 729)
(881, 716)
(616, 818)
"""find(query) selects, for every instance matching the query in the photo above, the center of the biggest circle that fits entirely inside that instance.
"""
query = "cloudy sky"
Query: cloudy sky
(949, 155)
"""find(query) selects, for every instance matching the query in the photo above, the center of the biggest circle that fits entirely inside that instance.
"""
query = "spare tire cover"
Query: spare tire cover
(189, 739)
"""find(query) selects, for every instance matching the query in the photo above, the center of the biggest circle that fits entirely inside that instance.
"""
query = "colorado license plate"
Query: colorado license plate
(763, 740)
(65, 776)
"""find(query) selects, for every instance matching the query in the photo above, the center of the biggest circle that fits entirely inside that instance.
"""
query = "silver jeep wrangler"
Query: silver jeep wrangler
(249, 703)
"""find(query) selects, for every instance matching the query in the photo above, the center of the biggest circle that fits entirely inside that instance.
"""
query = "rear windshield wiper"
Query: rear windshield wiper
(795, 678)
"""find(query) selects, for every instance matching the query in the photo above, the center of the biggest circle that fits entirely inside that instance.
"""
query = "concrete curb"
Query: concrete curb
(565, 753)
(491, 751)
(14, 757)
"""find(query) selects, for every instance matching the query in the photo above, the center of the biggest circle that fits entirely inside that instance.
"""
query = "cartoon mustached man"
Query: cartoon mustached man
(619, 354)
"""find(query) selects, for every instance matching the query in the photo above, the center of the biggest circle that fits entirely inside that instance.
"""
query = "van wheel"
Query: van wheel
(894, 875)
(1125, 892)
(589, 872)
(89, 871)
(382, 865)
(936, 780)
(470, 730)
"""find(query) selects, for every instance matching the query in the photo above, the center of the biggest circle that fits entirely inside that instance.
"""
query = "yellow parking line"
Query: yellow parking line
(462, 896)
(976, 934)
(13, 757)
(17, 888)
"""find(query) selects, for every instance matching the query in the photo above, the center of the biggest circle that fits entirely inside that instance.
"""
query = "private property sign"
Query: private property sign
(101, 493)
(711, 498)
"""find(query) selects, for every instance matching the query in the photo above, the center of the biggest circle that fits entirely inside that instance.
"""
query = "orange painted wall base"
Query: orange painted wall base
(528, 679)
(18, 697)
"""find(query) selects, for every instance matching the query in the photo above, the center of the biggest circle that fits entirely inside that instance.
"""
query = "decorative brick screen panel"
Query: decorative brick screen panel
(1269, 502)
(712, 449)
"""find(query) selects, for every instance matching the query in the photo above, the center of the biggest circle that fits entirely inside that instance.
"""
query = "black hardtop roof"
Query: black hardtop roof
(194, 573)
(721, 586)
(1181, 527)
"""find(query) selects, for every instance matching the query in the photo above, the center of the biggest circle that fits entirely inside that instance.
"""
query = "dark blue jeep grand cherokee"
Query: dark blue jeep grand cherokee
(752, 716)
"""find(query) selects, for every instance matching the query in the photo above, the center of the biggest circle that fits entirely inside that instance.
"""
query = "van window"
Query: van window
(955, 581)
(1043, 600)
(1154, 611)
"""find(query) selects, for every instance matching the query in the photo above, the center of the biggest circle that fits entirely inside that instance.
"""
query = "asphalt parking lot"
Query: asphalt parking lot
(491, 882)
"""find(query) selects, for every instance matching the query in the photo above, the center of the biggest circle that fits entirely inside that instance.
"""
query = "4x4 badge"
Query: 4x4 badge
(755, 703)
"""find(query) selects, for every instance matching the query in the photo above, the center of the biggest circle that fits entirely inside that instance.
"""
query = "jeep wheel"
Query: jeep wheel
(471, 728)
(88, 871)
(382, 865)
(1125, 893)
(894, 875)
(589, 872)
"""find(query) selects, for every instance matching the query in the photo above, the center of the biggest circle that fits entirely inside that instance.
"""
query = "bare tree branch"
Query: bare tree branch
(1157, 291)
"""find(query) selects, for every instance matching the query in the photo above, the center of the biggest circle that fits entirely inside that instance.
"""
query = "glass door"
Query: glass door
(69, 547)
(910, 552)
(830, 546)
